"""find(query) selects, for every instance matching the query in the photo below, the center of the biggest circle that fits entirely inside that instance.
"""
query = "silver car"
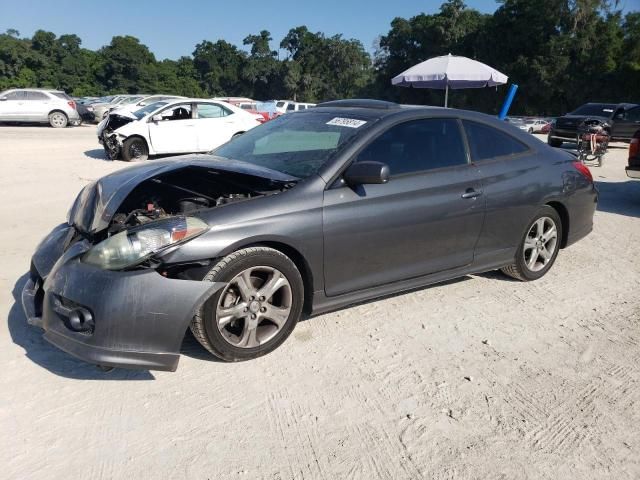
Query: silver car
(38, 105)
(101, 110)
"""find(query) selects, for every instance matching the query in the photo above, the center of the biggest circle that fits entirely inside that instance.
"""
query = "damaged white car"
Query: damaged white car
(172, 127)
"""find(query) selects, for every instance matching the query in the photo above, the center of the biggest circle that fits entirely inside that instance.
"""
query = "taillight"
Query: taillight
(584, 170)
(634, 147)
(72, 104)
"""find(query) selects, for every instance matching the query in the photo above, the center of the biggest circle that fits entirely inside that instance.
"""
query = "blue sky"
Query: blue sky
(172, 28)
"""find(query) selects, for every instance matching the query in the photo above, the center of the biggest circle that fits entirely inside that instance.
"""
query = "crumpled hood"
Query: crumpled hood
(97, 203)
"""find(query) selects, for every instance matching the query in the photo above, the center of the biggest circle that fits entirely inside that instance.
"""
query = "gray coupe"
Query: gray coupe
(310, 212)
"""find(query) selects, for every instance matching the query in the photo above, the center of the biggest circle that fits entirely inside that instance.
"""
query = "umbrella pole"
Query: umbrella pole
(446, 95)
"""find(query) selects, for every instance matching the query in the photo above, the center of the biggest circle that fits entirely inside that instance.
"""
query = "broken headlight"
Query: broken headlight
(130, 247)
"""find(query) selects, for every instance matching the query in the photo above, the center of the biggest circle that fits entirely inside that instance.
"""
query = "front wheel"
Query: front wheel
(134, 149)
(554, 142)
(539, 247)
(530, 130)
(58, 120)
(256, 310)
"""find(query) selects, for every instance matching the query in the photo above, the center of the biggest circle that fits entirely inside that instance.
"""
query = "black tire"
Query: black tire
(554, 142)
(519, 269)
(58, 119)
(134, 149)
(204, 327)
(530, 130)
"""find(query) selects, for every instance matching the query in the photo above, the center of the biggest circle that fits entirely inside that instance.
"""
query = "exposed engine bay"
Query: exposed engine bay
(188, 190)
(109, 139)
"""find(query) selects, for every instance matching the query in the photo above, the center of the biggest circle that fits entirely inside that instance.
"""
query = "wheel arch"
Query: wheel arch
(58, 110)
(563, 213)
(300, 262)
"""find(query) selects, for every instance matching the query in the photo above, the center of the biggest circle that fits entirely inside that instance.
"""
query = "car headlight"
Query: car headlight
(130, 247)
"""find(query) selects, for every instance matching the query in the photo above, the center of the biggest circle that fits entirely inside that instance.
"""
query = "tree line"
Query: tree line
(561, 53)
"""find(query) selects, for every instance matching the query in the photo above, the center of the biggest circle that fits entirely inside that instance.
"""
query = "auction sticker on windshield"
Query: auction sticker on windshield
(346, 122)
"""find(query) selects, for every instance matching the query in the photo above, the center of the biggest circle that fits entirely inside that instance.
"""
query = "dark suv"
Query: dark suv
(623, 120)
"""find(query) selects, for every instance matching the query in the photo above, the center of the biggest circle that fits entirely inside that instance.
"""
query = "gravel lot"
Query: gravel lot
(481, 377)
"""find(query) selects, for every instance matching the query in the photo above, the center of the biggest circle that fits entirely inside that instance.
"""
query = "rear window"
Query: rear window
(62, 95)
(486, 142)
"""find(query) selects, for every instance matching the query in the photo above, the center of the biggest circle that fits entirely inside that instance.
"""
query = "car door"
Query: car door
(626, 123)
(510, 175)
(36, 106)
(215, 125)
(175, 132)
(426, 219)
(11, 105)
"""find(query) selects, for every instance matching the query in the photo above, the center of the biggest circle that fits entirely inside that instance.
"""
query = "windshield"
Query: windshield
(148, 109)
(297, 145)
(599, 109)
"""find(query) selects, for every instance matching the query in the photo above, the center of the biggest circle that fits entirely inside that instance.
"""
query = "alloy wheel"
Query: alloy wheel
(540, 244)
(254, 306)
(58, 120)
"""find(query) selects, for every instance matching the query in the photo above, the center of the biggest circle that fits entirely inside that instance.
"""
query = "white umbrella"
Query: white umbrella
(450, 71)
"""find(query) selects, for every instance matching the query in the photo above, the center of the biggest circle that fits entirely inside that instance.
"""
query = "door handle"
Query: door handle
(471, 193)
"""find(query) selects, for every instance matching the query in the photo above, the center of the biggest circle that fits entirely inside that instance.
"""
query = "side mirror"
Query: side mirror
(362, 173)
(157, 118)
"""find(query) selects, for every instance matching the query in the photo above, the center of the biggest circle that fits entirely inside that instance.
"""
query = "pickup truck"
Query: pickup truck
(623, 120)
(633, 168)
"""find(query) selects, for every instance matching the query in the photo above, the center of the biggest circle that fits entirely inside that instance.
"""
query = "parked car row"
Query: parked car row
(55, 107)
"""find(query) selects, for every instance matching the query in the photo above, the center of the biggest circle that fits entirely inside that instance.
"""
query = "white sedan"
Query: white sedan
(172, 127)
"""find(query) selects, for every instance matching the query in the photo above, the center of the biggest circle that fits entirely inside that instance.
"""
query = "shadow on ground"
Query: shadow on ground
(622, 198)
(39, 351)
(98, 154)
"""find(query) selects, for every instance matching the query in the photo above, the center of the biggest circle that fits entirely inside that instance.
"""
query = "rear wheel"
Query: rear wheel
(257, 309)
(530, 130)
(134, 149)
(539, 247)
(58, 120)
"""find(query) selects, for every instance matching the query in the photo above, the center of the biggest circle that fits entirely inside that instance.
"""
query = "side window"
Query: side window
(486, 142)
(291, 107)
(177, 112)
(15, 95)
(418, 145)
(36, 96)
(209, 110)
(633, 115)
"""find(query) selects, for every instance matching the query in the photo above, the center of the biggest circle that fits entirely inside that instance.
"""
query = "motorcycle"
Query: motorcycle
(593, 141)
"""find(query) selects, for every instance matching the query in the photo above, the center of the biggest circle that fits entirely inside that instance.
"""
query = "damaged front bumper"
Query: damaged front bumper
(129, 319)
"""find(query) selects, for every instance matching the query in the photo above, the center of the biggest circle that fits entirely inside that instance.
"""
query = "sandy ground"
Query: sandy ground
(482, 377)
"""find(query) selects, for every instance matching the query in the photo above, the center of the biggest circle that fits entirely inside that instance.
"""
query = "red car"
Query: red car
(250, 106)
(545, 128)
(633, 169)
